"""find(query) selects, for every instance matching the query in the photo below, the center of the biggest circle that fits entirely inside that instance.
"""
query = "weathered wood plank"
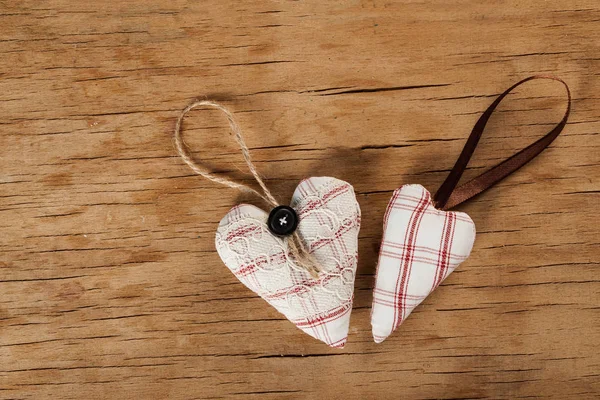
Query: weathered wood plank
(110, 286)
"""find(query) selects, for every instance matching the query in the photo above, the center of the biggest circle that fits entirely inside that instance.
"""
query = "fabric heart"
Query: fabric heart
(329, 221)
(421, 246)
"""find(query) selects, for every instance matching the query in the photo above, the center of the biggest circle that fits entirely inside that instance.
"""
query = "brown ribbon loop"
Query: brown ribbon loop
(449, 196)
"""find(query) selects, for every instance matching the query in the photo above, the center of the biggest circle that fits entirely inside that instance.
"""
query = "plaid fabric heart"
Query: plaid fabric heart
(421, 246)
(329, 221)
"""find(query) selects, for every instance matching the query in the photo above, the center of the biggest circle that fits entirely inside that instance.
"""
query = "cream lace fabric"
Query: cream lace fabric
(329, 222)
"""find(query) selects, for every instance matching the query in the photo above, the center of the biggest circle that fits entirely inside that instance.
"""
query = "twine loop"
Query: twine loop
(296, 247)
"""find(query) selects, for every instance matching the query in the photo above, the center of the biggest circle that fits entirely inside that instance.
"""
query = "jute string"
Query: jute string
(296, 247)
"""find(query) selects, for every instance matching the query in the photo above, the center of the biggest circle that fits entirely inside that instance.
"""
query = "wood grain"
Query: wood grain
(110, 286)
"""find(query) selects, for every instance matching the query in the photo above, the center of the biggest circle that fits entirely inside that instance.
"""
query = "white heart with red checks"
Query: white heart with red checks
(329, 221)
(421, 246)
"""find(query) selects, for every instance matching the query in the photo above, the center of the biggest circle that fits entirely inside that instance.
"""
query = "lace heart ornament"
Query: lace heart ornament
(329, 222)
(300, 259)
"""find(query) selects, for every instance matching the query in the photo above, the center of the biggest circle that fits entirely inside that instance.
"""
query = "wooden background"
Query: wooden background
(110, 286)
